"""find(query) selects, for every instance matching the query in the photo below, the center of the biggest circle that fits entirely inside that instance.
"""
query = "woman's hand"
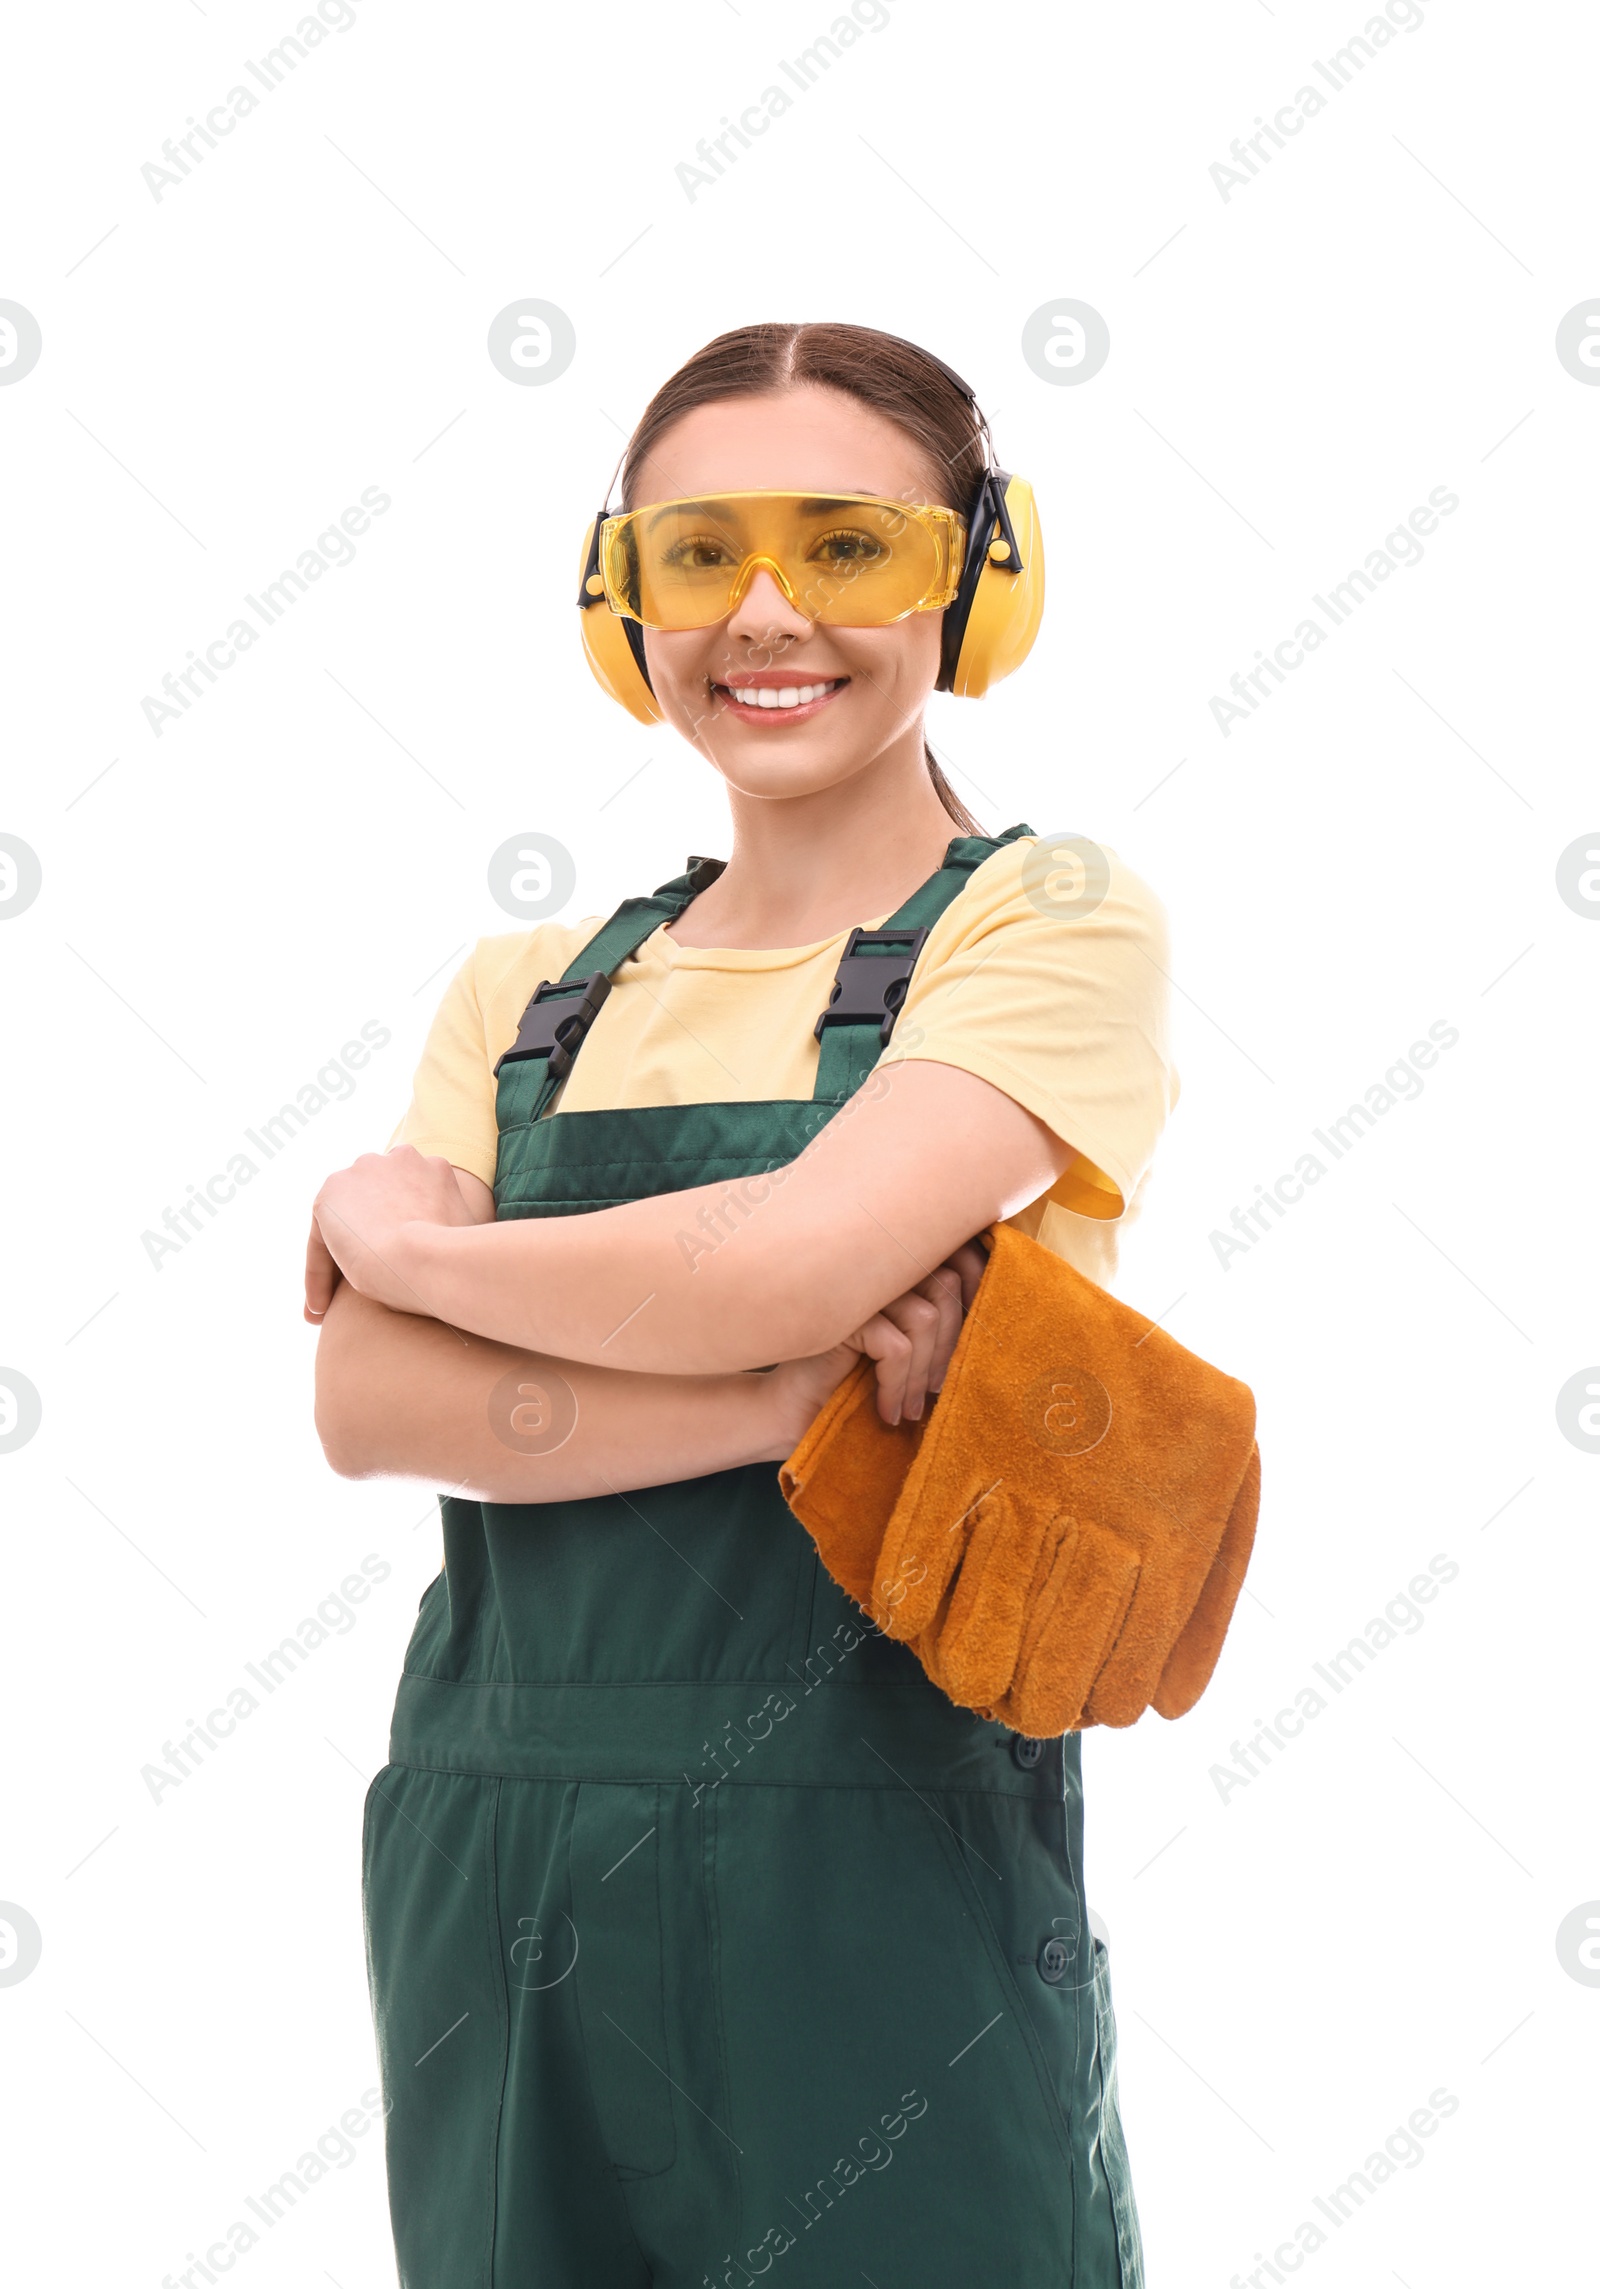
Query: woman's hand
(359, 1211)
(322, 1276)
(911, 1340)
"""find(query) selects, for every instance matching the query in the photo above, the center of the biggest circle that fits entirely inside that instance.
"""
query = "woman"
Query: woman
(707, 1939)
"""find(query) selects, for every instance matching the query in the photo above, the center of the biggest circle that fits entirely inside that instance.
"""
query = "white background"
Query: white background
(1373, 315)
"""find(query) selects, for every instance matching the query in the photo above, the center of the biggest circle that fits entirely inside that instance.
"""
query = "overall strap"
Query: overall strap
(875, 971)
(556, 1021)
(635, 918)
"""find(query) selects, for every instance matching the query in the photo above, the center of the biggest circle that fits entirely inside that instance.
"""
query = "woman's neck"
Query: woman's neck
(806, 867)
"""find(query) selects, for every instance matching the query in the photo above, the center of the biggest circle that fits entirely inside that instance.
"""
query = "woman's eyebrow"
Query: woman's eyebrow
(671, 509)
(712, 506)
(819, 504)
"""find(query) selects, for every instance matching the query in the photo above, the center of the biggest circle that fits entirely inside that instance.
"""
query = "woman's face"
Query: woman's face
(874, 681)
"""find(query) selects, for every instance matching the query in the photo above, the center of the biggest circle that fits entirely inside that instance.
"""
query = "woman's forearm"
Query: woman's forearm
(645, 1287)
(733, 1274)
(403, 1396)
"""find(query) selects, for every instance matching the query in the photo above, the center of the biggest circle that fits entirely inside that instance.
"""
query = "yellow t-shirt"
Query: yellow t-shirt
(1067, 1015)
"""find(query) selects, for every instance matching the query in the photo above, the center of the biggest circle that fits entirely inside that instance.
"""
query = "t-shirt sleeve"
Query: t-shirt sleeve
(452, 1108)
(1048, 978)
(453, 1091)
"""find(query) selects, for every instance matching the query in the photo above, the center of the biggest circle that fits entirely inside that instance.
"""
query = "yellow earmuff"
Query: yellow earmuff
(613, 647)
(988, 630)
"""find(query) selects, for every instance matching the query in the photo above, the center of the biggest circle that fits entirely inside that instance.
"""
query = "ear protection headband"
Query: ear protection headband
(988, 630)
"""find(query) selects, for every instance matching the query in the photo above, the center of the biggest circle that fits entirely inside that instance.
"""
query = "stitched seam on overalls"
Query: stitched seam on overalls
(367, 1943)
(1001, 1965)
(707, 1811)
(1124, 2209)
(1080, 2222)
(661, 1986)
(807, 1575)
(611, 1684)
(633, 2175)
(654, 1780)
(492, 1877)
(621, 2184)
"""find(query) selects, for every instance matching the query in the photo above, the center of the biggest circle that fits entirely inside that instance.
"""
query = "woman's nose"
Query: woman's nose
(764, 614)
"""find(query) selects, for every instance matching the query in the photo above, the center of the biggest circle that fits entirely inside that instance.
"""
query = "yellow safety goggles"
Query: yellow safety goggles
(848, 560)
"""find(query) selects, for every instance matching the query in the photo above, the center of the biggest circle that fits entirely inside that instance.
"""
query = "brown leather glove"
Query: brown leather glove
(1062, 1543)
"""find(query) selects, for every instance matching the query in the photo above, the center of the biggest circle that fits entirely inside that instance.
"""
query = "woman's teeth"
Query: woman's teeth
(787, 695)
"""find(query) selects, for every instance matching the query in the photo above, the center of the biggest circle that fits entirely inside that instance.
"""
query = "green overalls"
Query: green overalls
(708, 1942)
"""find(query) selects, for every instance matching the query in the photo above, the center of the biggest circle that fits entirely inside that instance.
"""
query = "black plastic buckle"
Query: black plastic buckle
(870, 986)
(557, 1020)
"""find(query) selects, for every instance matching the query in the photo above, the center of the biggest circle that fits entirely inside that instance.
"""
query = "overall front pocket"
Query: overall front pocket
(616, 1906)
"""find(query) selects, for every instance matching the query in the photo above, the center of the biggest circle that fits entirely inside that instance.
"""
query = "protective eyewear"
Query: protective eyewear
(846, 560)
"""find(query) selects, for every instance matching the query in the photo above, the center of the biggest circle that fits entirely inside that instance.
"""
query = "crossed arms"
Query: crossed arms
(659, 1316)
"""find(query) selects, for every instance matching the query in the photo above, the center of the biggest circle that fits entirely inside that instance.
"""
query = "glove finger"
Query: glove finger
(1177, 1563)
(1006, 1708)
(923, 1545)
(926, 1649)
(1000, 1567)
(1188, 1667)
(1071, 1623)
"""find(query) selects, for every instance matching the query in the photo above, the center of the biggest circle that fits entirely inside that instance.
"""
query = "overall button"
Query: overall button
(1054, 1958)
(1027, 1752)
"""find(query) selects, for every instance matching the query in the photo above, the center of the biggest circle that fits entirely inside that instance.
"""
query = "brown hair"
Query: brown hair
(894, 377)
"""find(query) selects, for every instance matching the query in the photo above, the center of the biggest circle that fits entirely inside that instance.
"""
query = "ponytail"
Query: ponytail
(948, 796)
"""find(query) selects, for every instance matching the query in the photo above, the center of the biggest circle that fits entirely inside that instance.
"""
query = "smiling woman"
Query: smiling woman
(813, 537)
